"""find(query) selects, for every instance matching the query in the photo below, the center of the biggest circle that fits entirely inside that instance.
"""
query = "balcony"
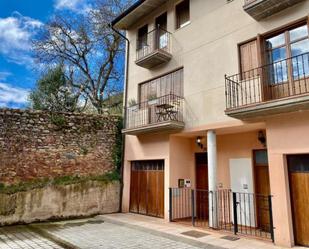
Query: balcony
(163, 114)
(154, 48)
(279, 87)
(260, 9)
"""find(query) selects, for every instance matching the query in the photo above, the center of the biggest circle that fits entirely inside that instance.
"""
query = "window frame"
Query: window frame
(285, 31)
(261, 38)
(158, 78)
(138, 37)
(177, 22)
(287, 39)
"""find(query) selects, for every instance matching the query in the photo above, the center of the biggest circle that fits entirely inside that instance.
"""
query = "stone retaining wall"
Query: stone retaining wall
(37, 145)
(58, 202)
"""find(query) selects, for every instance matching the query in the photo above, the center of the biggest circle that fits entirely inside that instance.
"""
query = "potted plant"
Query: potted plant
(152, 99)
(132, 104)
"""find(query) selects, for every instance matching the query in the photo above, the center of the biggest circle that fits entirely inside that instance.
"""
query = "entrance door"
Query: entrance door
(262, 189)
(202, 198)
(147, 188)
(299, 190)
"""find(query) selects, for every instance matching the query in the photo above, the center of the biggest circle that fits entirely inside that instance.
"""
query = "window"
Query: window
(260, 157)
(182, 14)
(161, 21)
(151, 165)
(162, 36)
(142, 37)
(292, 43)
(171, 83)
(298, 163)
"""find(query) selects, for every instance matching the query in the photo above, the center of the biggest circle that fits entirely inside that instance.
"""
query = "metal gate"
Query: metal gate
(240, 213)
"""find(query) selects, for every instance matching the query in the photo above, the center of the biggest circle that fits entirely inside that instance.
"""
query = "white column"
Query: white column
(212, 177)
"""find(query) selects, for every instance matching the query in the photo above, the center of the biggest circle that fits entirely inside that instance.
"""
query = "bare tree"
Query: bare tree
(91, 51)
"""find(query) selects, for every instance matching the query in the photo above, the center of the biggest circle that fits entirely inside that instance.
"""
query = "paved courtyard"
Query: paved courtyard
(117, 231)
(86, 234)
(17, 237)
(108, 235)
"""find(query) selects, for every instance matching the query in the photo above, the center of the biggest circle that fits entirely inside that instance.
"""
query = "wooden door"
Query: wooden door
(262, 189)
(134, 194)
(299, 190)
(147, 188)
(202, 197)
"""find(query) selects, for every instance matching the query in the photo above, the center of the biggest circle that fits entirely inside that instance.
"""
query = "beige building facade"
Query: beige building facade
(217, 119)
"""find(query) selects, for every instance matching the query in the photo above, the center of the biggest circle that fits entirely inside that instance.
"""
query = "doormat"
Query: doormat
(230, 238)
(195, 234)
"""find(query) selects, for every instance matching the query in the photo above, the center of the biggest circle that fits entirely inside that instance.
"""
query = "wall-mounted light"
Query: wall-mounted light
(262, 138)
(199, 142)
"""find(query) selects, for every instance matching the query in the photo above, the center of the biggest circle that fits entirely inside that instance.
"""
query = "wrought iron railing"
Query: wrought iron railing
(157, 39)
(155, 111)
(240, 213)
(280, 79)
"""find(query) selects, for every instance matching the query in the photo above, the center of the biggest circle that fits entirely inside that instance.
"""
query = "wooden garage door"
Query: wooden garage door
(147, 188)
(299, 189)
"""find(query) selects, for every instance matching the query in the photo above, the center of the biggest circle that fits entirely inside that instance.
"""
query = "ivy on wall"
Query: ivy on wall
(117, 151)
(57, 181)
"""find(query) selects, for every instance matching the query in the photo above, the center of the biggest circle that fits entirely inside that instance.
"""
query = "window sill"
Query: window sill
(183, 26)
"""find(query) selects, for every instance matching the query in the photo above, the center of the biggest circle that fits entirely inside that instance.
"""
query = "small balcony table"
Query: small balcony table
(166, 112)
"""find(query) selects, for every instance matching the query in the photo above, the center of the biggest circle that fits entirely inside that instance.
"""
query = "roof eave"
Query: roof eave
(134, 13)
(126, 12)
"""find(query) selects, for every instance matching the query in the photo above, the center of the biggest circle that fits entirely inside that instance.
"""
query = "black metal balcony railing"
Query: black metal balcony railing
(162, 109)
(157, 39)
(280, 79)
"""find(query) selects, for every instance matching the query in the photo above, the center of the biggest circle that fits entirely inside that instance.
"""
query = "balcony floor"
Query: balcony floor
(272, 107)
(153, 59)
(167, 126)
(260, 9)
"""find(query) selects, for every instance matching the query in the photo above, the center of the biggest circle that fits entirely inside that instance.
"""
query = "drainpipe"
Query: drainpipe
(125, 109)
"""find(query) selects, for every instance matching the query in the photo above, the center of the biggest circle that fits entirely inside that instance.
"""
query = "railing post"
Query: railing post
(193, 207)
(170, 205)
(271, 223)
(235, 213)
(226, 96)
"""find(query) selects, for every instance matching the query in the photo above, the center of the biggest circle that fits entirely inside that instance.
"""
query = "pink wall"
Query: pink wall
(182, 161)
(178, 153)
(147, 147)
(239, 145)
(286, 134)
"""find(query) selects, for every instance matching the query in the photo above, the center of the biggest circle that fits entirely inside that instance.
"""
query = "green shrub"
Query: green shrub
(59, 120)
(57, 181)
(117, 150)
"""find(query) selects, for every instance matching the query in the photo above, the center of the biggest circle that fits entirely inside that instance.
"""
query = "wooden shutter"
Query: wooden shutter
(248, 59)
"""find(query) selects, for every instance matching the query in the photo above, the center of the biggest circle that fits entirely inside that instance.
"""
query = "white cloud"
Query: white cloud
(16, 33)
(11, 96)
(67, 4)
(78, 6)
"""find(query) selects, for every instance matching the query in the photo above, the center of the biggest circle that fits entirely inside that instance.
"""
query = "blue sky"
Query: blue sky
(20, 21)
